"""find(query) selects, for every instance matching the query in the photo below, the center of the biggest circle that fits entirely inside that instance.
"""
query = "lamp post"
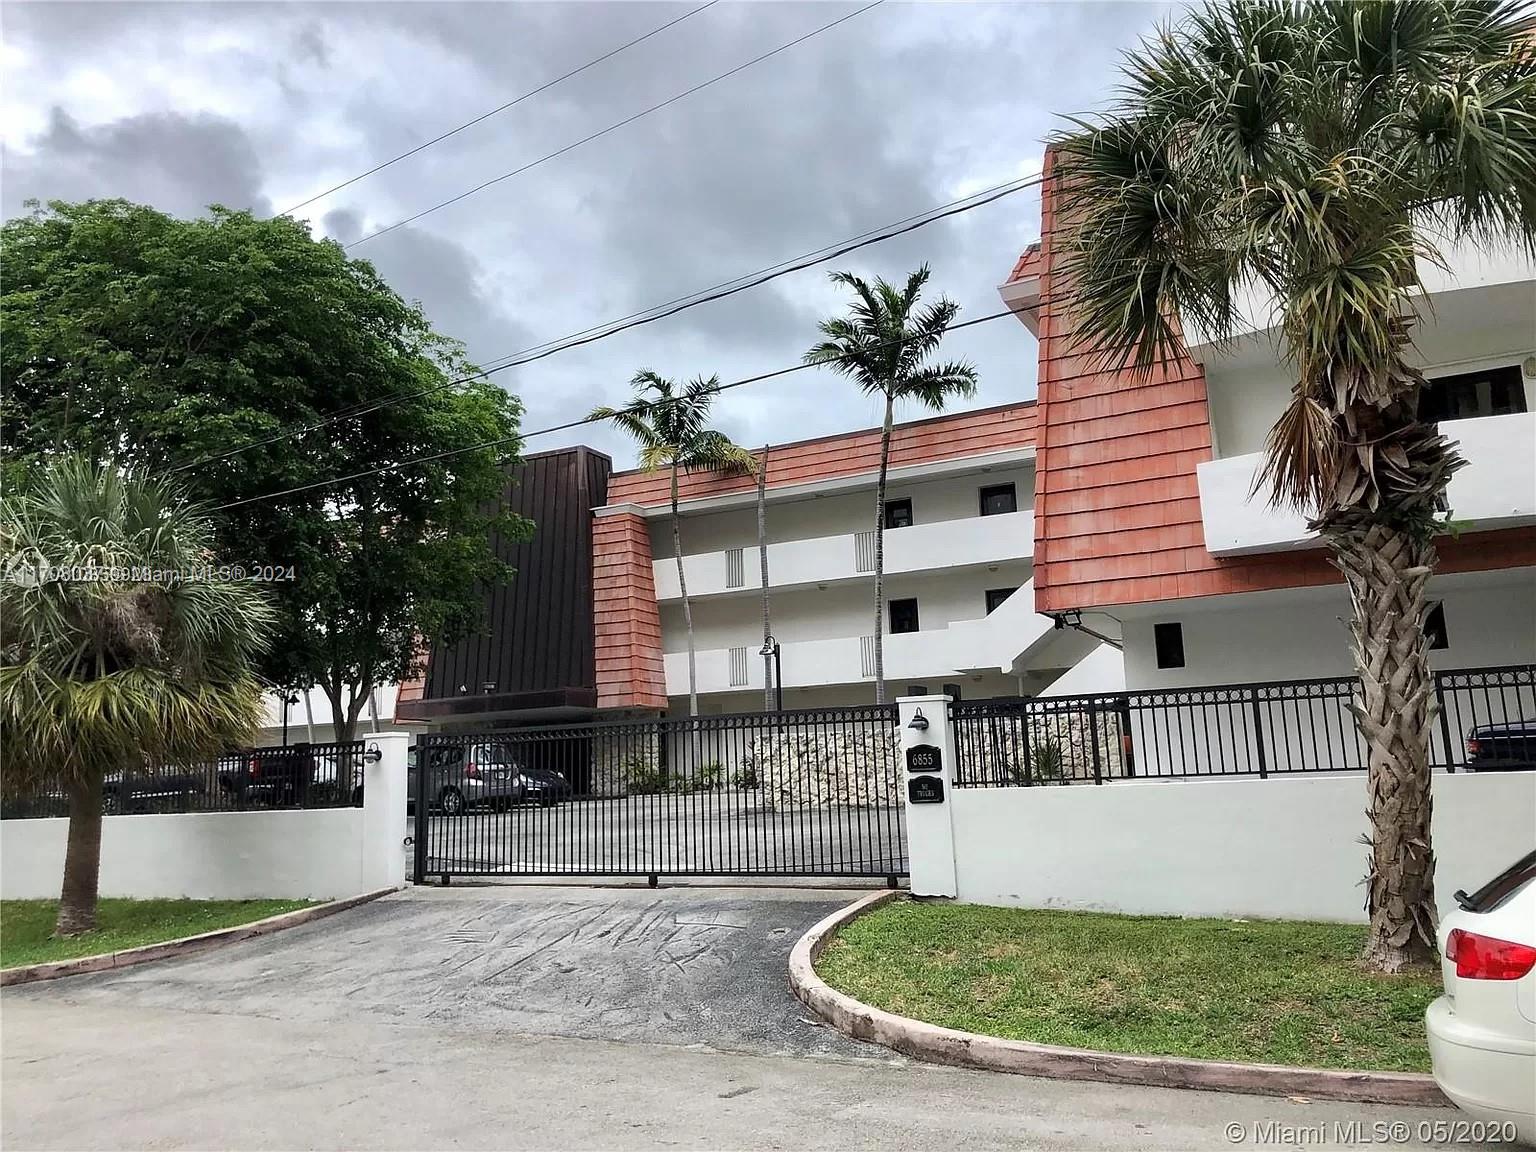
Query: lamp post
(771, 648)
(288, 698)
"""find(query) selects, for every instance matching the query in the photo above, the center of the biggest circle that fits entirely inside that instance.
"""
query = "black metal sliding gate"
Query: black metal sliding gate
(805, 793)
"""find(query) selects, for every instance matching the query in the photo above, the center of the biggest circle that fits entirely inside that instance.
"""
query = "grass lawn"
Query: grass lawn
(1261, 991)
(25, 925)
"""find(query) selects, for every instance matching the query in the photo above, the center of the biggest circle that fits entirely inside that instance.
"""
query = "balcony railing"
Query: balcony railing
(851, 556)
(1496, 489)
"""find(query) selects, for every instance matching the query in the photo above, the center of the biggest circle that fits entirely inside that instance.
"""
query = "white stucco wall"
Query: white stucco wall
(1250, 848)
(299, 855)
(1490, 621)
(945, 498)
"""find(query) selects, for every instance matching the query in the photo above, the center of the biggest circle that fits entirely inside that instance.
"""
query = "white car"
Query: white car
(1482, 1032)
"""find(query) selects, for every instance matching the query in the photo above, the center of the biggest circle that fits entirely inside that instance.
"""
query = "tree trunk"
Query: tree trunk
(682, 588)
(342, 722)
(346, 722)
(762, 557)
(1387, 570)
(82, 859)
(885, 458)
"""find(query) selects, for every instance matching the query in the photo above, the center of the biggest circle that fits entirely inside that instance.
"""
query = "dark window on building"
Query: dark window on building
(1169, 639)
(903, 616)
(917, 689)
(996, 596)
(952, 691)
(1490, 392)
(898, 513)
(998, 499)
(1434, 628)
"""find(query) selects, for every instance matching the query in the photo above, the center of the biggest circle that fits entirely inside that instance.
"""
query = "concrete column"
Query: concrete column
(384, 826)
(930, 828)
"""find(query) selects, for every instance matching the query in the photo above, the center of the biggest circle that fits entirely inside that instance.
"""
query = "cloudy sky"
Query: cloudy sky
(899, 109)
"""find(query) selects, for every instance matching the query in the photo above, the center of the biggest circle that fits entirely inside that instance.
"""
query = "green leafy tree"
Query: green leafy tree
(884, 345)
(118, 674)
(671, 428)
(211, 349)
(1314, 153)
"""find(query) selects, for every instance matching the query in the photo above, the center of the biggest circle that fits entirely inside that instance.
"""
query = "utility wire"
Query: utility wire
(612, 127)
(521, 436)
(501, 108)
(648, 316)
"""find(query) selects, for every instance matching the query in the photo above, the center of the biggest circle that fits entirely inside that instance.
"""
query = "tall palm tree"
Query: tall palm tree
(762, 561)
(671, 426)
(883, 344)
(107, 669)
(1313, 151)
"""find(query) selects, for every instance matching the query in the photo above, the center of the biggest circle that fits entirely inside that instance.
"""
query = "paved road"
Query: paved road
(534, 1018)
(695, 833)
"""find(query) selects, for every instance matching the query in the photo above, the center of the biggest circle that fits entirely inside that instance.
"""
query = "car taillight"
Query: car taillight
(255, 767)
(1487, 957)
(472, 771)
(1474, 749)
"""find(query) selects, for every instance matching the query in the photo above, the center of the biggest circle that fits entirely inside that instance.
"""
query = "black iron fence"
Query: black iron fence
(296, 776)
(1486, 720)
(814, 793)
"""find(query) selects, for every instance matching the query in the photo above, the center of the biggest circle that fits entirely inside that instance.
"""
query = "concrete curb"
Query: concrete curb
(187, 945)
(969, 1050)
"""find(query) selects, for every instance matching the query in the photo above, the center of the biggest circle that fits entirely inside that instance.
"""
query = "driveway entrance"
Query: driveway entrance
(678, 966)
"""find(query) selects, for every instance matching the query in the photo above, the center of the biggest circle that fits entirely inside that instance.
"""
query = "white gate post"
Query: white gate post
(384, 828)
(930, 828)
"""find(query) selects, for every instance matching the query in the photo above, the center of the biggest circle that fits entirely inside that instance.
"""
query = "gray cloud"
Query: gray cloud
(899, 109)
(179, 163)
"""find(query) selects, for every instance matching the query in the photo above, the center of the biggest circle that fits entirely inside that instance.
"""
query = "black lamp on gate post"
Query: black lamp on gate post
(288, 698)
(771, 648)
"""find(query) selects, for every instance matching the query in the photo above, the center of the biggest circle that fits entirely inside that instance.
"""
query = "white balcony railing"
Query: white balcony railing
(1496, 489)
(827, 559)
(989, 644)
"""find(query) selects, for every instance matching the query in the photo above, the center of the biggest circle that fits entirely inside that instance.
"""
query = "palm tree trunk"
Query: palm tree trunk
(82, 859)
(762, 558)
(1387, 570)
(682, 587)
(885, 458)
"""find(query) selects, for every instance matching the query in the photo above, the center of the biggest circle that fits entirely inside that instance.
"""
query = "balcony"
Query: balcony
(1496, 489)
(959, 543)
(989, 644)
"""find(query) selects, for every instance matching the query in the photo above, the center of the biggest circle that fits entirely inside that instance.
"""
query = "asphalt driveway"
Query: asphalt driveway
(671, 966)
(542, 1018)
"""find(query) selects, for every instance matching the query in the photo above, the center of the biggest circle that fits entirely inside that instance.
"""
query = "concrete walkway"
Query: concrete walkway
(537, 1018)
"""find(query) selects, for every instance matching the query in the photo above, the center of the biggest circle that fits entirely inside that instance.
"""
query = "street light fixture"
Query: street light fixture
(771, 648)
(288, 699)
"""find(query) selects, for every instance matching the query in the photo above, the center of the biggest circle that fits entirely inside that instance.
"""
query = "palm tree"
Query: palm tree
(883, 345)
(122, 669)
(671, 426)
(1310, 151)
(762, 561)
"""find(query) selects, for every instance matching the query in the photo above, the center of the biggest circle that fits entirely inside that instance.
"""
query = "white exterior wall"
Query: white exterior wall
(310, 719)
(946, 498)
(819, 631)
(1253, 848)
(316, 854)
(1490, 620)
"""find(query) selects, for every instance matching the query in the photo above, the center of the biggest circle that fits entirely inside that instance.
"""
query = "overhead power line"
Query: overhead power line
(425, 144)
(672, 307)
(612, 127)
(521, 436)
